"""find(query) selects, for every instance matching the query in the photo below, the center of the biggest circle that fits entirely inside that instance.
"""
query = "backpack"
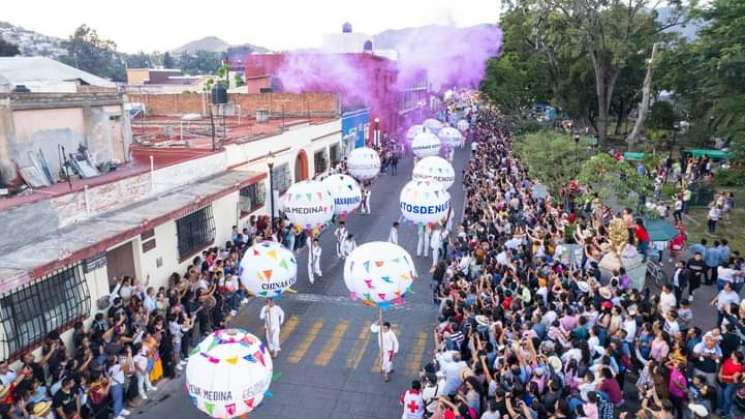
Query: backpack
(97, 395)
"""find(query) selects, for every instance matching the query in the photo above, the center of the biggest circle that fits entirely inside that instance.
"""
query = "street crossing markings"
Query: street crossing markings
(288, 327)
(297, 355)
(396, 328)
(358, 350)
(329, 349)
(414, 360)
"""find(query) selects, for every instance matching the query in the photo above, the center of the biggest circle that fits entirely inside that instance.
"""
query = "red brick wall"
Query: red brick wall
(315, 104)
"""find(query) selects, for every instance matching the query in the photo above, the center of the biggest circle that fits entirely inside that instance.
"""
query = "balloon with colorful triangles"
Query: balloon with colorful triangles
(267, 269)
(228, 374)
(379, 274)
(308, 204)
(345, 191)
(436, 169)
(426, 144)
(424, 202)
(363, 163)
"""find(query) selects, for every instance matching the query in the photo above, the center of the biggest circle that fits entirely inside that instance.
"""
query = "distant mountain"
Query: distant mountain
(392, 38)
(32, 43)
(213, 44)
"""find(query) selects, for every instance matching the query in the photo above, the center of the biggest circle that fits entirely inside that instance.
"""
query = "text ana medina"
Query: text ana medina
(305, 210)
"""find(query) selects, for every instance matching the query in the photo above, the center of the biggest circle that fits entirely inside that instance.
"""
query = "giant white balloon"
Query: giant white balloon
(267, 269)
(415, 130)
(363, 163)
(228, 373)
(436, 169)
(424, 202)
(433, 124)
(425, 144)
(462, 125)
(308, 204)
(450, 137)
(345, 191)
(379, 274)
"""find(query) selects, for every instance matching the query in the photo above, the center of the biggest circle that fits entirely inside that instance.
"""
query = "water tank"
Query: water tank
(21, 88)
(368, 46)
(346, 27)
(219, 94)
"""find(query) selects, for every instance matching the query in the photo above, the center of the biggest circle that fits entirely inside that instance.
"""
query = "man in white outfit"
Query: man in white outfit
(435, 244)
(420, 245)
(393, 235)
(427, 239)
(316, 257)
(388, 345)
(340, 234)
(366, 197)
(273, 317)
(348, 246)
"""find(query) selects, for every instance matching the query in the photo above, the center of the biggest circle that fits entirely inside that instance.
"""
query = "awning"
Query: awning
(660, 230)
(633, 156)
(711, 153)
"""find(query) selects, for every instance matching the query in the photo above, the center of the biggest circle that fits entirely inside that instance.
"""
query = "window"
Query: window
(195, 232)
(282, 177)
(251, 198)
(335, 152)
(320, 161)
(28, 314)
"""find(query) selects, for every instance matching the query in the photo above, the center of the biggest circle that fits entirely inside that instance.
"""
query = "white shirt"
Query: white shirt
(725, 298)
(390, 341)
(667, 302)
(276, 316)
(348, 246)
(714, 214)
(436, 241)
(141, 363)
(393, 235)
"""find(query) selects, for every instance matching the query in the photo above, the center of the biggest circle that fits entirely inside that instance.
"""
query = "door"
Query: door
(301, 166)
(120, 262)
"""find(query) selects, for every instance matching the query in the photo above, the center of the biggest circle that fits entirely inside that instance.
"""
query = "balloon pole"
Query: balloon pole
(380, 337)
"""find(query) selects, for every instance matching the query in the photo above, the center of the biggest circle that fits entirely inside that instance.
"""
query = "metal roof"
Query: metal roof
(35, 71)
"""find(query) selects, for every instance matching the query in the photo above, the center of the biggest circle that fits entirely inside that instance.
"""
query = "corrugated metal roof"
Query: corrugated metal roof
(35, 71)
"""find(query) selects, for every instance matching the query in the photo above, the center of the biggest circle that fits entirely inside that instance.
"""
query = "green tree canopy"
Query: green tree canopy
(8, 49)
(89, 52)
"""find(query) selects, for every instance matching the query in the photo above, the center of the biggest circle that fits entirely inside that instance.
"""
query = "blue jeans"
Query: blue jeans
(725, 402)
(117, 396)
(643, 249)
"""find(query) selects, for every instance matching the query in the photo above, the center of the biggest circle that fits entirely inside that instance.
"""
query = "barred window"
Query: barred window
(195, 232)
(53, 303)
(320, 161)
(251, 198)
(335, 152)
(282, 177)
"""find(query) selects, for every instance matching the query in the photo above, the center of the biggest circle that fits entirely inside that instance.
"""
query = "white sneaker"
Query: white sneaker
(124, 412)
(153, 388)
(233, 313)
(244, 301)
(143, 397)
(179, 367)
(183, 362)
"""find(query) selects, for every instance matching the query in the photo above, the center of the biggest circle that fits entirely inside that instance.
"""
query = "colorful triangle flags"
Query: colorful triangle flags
(272, 254)
(233, 360)
(249, 403)
(267, 274)
(320, 195)
(230, 408)
(256, 252)
(309, 196)
(194, 401)
(353, 296)
(283, 264)
(369, 284)
(214, 344)
(209, 407)
(367, 266)
(260, 357)
(384, 305)
(194, 351)
(350, 187)
(262, 348)
(381, 295)
(386, 279)
(379, 263)
(263, 294)
(396, 259)
(249, 358)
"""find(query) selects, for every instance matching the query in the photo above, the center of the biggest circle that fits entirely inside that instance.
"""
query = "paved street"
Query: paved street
(327, 367)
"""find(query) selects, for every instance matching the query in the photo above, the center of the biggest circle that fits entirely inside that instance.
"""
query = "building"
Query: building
(64, 247)
(162, 80)
(355, 128)
(62, 120)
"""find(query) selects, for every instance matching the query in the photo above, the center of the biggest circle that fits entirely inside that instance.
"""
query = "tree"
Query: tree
(8, 49)
(168, 61)
(139, 60)
(615, 180)
(89, 52)
(644, 105)
(609, 33)
(202, 62)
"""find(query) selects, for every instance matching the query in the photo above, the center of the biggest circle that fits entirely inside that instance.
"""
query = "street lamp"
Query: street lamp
(376, 134)
(576, 153)
(270, 164)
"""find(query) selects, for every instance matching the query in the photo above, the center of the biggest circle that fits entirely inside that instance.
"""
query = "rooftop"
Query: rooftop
(45, 74)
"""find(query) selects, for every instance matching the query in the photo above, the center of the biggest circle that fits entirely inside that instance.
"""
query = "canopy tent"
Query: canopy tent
(633, 156)
(707, 152)
(660, 230)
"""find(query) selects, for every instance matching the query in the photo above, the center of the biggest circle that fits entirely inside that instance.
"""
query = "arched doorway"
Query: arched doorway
(301, 166)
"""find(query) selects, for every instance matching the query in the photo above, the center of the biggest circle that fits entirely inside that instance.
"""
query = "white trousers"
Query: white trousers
(272, 339)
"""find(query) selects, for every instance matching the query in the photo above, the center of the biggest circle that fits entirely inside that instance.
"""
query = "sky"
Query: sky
(161, 25)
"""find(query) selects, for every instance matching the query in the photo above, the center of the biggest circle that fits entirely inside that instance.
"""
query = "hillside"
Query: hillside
(392, 38)
(32, 43)
(212, 44)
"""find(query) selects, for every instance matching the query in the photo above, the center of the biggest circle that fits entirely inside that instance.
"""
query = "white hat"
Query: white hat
(698, 410)
(583, 286)
(555, 363)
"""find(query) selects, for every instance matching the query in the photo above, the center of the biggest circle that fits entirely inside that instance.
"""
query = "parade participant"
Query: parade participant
(366, 193)
(420, 243)
(315, 260)
(388, 345)
(412, 402)
(435, 245)
(393, 235)
(340, 233)
(348, 246)
(273, 317)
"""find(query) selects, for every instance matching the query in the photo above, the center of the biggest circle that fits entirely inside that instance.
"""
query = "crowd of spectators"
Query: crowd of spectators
(527, 328)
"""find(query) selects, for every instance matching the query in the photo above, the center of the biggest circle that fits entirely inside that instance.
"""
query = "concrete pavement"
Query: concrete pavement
(327, 367)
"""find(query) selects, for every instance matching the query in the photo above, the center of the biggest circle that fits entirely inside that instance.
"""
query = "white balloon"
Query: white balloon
(228, 373)
(425, 144)
(450, 136)
(267, 269)
(433, 124)
(424, 202)
(462, 125)
(414, 130)
(345, 191)
(308, 204)
(436, 169)
(363, 163)
(379, 274)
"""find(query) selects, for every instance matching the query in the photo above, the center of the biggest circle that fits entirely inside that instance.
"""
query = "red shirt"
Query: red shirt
(730, 368)
(641, 234)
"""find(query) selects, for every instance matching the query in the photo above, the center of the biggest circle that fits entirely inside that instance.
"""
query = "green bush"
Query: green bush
(730, 178)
